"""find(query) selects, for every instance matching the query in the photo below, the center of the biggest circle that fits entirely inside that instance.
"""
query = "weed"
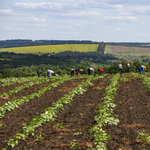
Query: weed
(120, 102)
(73, 144)
(81, 114)
(97, 88)
(77, 133)
(144, 137)
(59, 125)
(39, 138)
(2, 125)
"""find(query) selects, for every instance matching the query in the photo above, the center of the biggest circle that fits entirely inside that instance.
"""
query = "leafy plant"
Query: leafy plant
(97, 88)
(77, 133)
(81, 114)
(144, 137)
(2, 125)
(73, 144)
(120, 102)
(39, 138)
(104, 116)
(59, 125)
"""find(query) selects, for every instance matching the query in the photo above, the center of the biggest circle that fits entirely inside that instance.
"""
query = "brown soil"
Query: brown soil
(78, 118)
(24, 92)
(14, 120)
(133, 111)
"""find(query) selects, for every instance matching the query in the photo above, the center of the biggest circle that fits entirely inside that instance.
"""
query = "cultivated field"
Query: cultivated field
(62, 113)
(125, 49)
(53, 48)
(128, 53)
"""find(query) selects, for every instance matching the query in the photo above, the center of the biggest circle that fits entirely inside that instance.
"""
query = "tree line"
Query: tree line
(22, 43)
(32, 70)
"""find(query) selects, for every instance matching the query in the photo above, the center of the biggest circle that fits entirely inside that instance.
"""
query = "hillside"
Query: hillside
(129, 53)
(53, 48)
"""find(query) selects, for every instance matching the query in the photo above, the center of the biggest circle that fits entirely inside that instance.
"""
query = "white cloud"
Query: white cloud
(81, 14)
(122, 18)
(8, 28)
(142, 10)
(34, 19)
(117, 29)
(5, 11)
(43, 5)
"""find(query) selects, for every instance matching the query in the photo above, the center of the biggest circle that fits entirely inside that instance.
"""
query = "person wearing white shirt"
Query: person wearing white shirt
(49, 73)
(72, 72)
(120, 68)
(90, 71)
(128, 67)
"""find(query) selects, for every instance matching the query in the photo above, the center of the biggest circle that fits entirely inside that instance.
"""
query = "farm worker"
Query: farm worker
(90, 71)
(142, 69)
(41, 74)
(49, 73)
(120, 68)
(128, 67)
(72, 72)
(77, 70)
(101, 71)
(38, 72)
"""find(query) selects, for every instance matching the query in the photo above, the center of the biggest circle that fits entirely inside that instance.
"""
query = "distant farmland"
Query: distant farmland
(53, 48)
(125, 49)
(128, 53)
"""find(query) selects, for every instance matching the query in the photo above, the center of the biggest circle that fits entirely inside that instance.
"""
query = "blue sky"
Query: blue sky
(96, 20)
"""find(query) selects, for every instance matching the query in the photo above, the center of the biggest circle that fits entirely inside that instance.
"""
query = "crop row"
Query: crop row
(10, 81)
(50, 112)
(11, 105)
(27, 85)
(146, 79)
(104, 116)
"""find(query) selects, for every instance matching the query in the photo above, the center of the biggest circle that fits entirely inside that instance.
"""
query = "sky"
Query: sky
(95, 20)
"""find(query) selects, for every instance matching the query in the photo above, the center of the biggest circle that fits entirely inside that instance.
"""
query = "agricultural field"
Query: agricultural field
(128, 53)
(53, 48)
(81, 112)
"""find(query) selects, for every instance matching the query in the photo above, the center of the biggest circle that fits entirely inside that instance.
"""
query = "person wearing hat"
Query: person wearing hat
(142, 69)
(79, 71)
(49, 73)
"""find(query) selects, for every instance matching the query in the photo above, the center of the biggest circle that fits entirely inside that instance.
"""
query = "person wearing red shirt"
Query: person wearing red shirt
(101, 71)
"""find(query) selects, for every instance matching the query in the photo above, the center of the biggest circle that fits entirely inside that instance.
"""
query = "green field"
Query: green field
(53, 48)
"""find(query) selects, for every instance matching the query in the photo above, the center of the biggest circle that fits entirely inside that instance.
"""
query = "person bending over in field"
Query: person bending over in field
(72, 72)
(101, 71)
(120, 68)
(38, 73)
(80, 70)
(49, 73)
(77, 71)
(142, 69)
(90, 71)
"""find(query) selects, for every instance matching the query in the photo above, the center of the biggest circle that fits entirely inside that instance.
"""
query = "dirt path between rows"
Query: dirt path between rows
(14, 120)
(78, 118)
(133, 101)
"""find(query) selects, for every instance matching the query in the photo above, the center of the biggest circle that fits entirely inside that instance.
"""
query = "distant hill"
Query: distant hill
(53, 48)
(22, 43)
(131, 53)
